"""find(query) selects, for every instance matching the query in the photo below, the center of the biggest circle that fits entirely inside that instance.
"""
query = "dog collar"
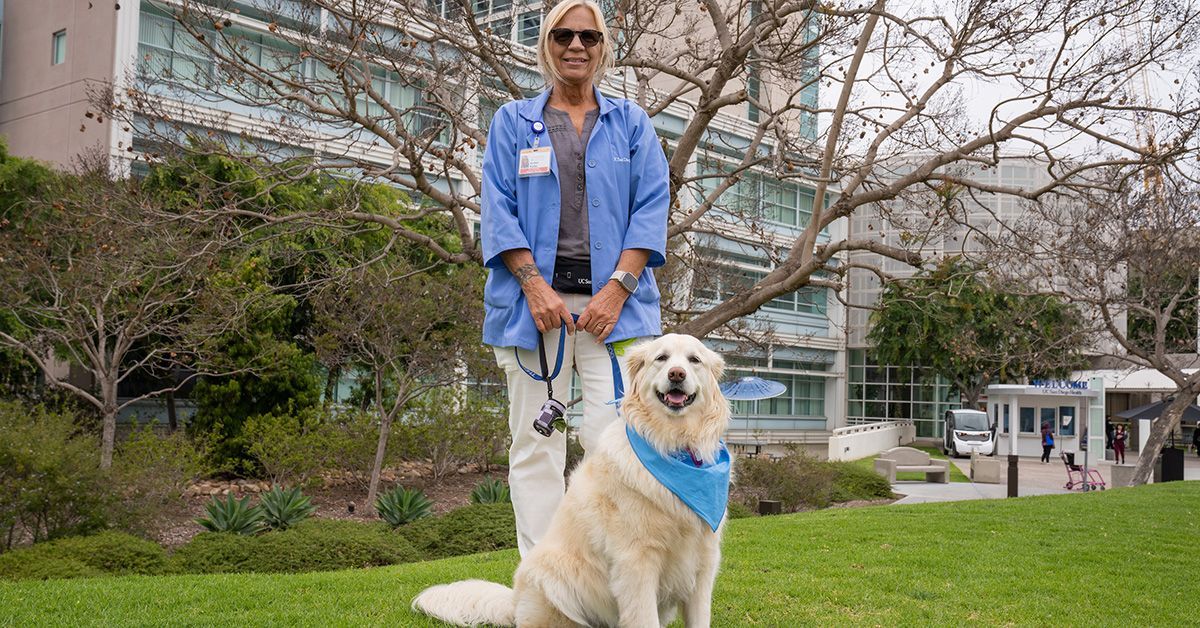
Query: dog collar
(702, 487)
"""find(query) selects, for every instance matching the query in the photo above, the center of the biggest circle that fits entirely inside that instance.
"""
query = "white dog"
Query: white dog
(623, 549)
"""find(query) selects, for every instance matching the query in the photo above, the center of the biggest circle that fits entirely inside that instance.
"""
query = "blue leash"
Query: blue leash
(618, 383)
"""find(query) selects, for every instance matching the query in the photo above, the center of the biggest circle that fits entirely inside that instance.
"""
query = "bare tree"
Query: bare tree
(100, 276)
(410, 329)
(781, 117)
(1131, 261)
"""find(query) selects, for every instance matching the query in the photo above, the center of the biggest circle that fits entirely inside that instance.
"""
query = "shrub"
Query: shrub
(491, 491)
(480, 429)
(469, 530)
(51, 484)
(232, 515)
(107, 553)
(400, 506)
(738, 510)
(312, 545)
(152, 471)
(352, 436)
(852, 482)
(290, 447)
(283, 509)
(796, 480)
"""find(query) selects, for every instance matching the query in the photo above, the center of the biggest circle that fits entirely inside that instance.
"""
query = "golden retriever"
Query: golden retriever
(622, 549)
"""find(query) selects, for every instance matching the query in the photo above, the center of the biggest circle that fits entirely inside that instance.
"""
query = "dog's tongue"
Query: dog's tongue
(676, 398)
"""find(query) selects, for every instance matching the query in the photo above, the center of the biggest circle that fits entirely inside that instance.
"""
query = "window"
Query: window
(531, 22)
(1066, 418)
(1049, 418)
(1029, 420)
(58, 49)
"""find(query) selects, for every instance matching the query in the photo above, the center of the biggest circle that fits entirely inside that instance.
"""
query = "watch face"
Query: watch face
(629, 281)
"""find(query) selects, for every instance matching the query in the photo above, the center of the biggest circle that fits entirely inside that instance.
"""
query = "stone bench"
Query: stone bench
(906, 459)
(988, 470)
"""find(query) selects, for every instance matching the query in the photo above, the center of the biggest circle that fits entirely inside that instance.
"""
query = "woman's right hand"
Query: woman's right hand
(546, 307)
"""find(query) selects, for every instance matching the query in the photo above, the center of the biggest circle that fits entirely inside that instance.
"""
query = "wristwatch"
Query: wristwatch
(627, 280)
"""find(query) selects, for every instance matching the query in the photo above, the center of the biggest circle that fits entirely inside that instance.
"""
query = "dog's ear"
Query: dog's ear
(716, 364)
(636, 360)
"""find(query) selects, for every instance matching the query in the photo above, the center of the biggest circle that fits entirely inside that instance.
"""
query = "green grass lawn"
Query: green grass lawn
(956, 475)
(1119, 557)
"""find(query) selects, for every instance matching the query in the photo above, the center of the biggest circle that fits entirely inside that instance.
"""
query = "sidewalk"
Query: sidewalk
(1034, 478)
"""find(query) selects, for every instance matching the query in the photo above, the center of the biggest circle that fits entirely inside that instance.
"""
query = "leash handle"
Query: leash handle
(545, 367)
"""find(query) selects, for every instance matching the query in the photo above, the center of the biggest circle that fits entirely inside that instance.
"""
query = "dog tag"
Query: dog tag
(534, 162)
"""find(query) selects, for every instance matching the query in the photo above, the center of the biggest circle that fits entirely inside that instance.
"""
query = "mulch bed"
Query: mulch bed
(332, 497)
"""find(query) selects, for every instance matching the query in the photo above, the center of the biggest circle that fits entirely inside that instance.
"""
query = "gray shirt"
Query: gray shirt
(569, 152)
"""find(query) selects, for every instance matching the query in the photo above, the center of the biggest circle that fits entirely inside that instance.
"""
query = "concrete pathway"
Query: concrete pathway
(1034, 478)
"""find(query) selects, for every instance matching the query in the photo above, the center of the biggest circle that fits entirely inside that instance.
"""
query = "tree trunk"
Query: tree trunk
(108, 433)
(385, 426)
(172, 419)
(108, 430)
(1159, 430)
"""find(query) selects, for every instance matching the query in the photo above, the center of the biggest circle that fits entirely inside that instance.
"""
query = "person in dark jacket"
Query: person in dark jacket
(1196, 438)
(1119, 438)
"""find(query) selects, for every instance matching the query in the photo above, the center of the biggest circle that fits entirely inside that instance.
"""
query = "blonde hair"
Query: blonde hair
(546, 64)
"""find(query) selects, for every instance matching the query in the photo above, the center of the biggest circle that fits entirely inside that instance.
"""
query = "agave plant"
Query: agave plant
(490, 491)
(232, 515)
(283, 509)
(400, 506)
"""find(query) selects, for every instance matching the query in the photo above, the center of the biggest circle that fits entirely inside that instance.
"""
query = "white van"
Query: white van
(968, 431)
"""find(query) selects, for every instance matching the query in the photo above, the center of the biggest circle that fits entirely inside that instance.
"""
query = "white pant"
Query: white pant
(535, 462)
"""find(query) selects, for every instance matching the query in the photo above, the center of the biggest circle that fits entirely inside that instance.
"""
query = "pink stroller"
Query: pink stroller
(1075, 477)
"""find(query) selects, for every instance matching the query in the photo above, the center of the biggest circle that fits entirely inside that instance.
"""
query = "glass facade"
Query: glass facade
(885, 393)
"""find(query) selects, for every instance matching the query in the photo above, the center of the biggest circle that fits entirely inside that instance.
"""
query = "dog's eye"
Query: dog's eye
(662, 357)
(693, 359)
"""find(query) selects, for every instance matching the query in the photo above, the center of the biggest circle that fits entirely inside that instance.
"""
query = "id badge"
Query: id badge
(534, 162)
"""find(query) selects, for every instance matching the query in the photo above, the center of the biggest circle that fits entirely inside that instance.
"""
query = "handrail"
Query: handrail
(869, 427)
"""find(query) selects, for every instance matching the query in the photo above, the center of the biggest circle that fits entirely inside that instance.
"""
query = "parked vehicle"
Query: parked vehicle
(968, 431)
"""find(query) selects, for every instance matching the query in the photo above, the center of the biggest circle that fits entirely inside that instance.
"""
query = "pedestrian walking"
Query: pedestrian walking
(1047, 442)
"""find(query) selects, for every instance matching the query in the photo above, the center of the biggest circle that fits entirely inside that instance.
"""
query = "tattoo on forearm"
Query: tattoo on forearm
(525, 272)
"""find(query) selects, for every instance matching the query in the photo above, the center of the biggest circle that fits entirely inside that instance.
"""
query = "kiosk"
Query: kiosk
(1074, 410)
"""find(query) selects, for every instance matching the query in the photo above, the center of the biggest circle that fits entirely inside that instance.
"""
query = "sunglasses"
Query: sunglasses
(587, 37)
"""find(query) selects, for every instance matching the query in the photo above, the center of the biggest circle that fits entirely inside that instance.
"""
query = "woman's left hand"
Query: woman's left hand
(600, 316)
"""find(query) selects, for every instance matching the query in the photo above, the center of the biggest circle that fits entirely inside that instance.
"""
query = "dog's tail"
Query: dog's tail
(469, 603)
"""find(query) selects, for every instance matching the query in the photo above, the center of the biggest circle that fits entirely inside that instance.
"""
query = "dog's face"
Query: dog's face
(677, 372)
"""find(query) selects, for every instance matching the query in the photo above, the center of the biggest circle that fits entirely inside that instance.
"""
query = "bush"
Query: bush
(469, 530)
(797, 480)
(312, 545)
(491, 491)
(852, 482)
(291, 448)
(401, 505)
(283, 509)
(152, 472)
(107, 553)
(232, 515)
(738, 510)
(479, 428)
(801, 481)
(352, 436)
(51, 484)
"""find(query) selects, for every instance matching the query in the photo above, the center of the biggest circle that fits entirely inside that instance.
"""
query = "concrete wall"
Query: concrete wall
(860, 441)
(43, 106)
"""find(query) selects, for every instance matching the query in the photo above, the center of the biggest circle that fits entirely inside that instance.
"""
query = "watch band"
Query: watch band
(626, 279)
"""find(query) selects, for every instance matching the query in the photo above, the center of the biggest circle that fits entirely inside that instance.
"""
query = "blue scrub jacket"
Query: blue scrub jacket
(628, 198)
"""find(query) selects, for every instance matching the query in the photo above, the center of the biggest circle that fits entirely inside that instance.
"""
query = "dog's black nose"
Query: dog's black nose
(676, 374)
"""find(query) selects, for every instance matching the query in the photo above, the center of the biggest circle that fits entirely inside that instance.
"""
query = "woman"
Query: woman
(1047, 442)
(1119, 438)
(575, 202)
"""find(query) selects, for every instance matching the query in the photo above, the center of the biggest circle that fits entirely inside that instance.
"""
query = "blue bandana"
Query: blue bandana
(703, 487)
